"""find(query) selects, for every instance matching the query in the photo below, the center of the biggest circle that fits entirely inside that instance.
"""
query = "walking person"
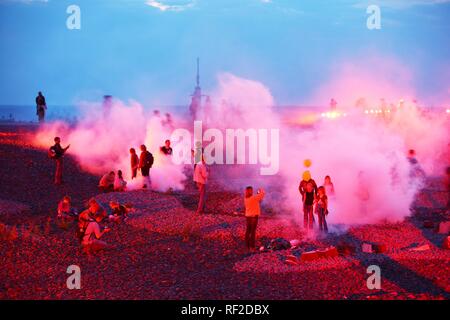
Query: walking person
(41, 106)
(145, 163)
(252, 212)
(57, 152)
(200, 178)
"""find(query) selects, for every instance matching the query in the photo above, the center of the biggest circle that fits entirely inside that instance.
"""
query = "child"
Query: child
(252, 212)
(134, 163)
(322, 208)
(329, 186)
(119, 183)
(309, 197)
(65, 209)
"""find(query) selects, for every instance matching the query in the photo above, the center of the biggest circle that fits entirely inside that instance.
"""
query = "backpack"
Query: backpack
(149, 159)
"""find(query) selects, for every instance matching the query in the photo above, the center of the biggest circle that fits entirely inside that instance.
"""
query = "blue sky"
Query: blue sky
(146, 49)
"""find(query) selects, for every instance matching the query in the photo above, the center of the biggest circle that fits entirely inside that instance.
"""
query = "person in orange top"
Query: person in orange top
(252, 212)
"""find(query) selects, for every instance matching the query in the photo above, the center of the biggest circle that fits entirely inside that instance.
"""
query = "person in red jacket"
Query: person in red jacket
(145, 163)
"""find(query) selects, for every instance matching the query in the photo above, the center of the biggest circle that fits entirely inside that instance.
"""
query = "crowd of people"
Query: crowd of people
(315, 199)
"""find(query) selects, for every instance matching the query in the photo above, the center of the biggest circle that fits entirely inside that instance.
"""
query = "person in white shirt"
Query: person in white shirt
(200, 178)
(119, 183)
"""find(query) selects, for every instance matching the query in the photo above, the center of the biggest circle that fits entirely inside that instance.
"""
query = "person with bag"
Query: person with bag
(56, 152)
(145, 163)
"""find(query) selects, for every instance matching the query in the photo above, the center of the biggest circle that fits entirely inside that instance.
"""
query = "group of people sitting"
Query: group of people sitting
(89, 230)
(112, 182)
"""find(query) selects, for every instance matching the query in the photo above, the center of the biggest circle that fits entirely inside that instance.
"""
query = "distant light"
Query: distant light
(366, 111)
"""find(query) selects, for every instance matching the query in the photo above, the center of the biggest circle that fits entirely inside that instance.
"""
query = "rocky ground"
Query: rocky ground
(165, 251)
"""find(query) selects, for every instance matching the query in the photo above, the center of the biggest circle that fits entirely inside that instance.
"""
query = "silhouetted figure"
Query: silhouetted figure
(416, 171)
(134, 162)
(57, 152)
(333, 104)
(41, 106)
(107, 105)
(145, 163)
(308, 192)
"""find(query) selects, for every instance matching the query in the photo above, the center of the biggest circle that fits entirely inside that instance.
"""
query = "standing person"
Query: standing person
(333, 104)
(145, 163)
(57, 152)
(252, 212)
(200, 178)
(329, 186)
(134, 161)
(322, 208)
(309, 198)
(166, 149)
(41, 106)
(306, 178)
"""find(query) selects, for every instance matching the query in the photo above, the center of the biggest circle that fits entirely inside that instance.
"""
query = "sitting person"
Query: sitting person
(119, 183)
(118, 211)
(65, 209)
(106, 183)
(91, 239)
(94, 210)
